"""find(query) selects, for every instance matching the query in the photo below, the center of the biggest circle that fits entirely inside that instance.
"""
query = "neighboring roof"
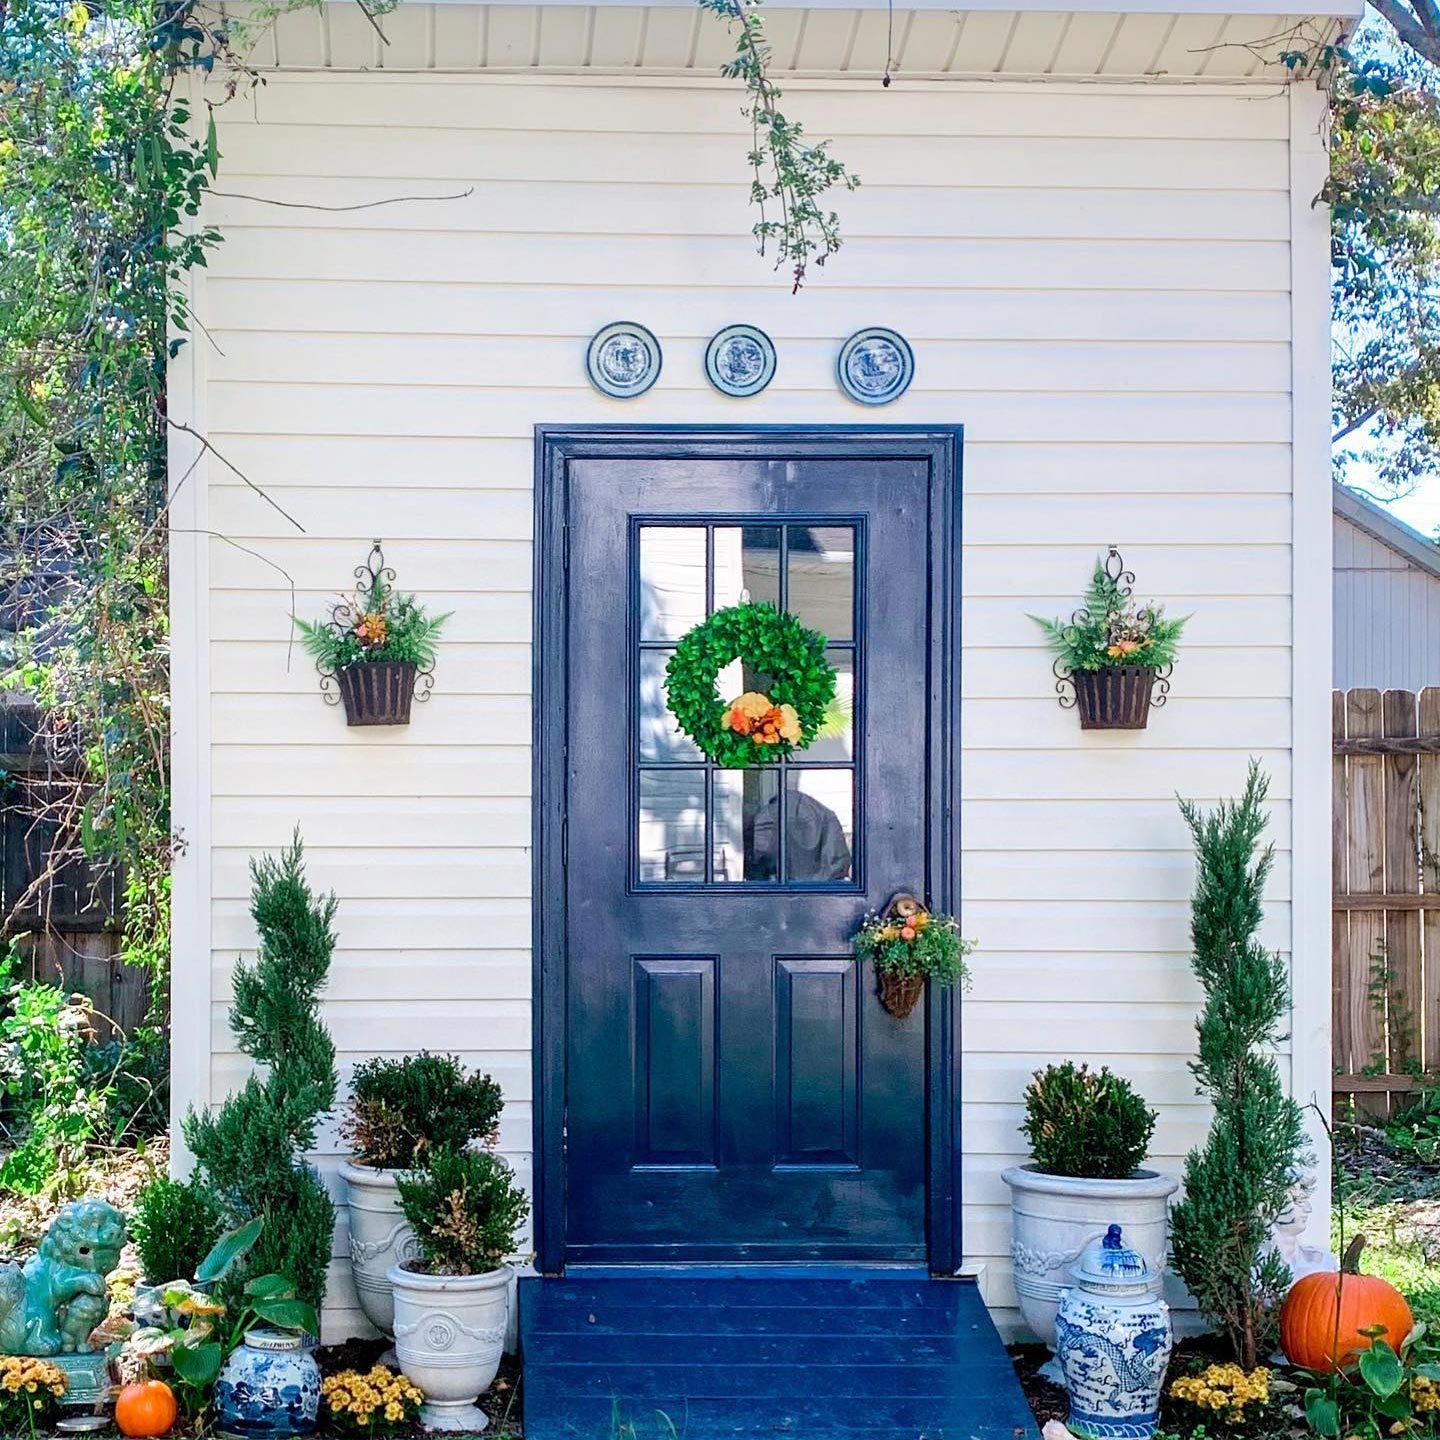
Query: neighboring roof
(1377, 521)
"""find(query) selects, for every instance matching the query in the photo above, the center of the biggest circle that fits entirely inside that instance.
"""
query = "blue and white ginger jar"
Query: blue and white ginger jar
(270, 1386)
(1113, 1341)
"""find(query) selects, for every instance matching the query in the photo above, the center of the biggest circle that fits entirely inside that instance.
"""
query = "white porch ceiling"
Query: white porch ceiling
(678, 38)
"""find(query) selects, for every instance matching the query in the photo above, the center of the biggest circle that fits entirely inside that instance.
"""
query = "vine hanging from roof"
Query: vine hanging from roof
(791, 176)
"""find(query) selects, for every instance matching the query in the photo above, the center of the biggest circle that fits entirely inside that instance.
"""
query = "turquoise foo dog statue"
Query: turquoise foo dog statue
(50, 1305)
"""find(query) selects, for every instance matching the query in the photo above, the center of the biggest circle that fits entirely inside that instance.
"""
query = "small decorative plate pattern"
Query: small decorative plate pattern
(740, 361)
(623, 360)
(875, 366)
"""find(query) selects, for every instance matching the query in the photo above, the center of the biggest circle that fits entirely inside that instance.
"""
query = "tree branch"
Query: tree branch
(364, 205)
(1410, 28)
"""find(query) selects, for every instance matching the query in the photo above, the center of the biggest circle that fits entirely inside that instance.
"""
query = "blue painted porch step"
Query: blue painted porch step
(861, 1355)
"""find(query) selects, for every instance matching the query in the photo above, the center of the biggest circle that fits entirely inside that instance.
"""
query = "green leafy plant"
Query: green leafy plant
(790, 176)
(175, 1225)
(465, 1209)
(1416, 1129)
(56, 1112)
(1390, 1390)
(1110, 628)
(376, 623)
(1086, 1122)
(922, 944)
(401, 1111)
(779, 655)
(1237, 1184)
(182, 1322)
(251, 1150)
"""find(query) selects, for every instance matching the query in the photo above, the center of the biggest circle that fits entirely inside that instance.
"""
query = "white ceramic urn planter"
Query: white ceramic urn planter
(449, 1337)
(1056, 1217)
(380, 1237)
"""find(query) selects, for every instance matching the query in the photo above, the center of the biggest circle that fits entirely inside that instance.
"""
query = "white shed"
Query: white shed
(1095, 229)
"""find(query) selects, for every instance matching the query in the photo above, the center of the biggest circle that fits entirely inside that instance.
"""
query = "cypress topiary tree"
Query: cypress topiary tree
(1237, 1183)
(251, 1150)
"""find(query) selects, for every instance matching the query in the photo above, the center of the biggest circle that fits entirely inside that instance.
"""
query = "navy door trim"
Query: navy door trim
(555, 447)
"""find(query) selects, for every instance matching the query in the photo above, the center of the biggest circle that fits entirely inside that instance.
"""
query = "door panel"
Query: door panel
(733, 1088)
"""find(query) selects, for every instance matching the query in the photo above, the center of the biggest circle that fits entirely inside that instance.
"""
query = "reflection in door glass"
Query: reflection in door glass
(819, 824)
(747, 564)
(744, 824)
(836, 738)
(672, 580)
(660, 737)
(822, 578)
(672, 825)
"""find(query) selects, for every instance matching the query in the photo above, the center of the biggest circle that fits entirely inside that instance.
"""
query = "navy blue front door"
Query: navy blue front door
(733, 1089)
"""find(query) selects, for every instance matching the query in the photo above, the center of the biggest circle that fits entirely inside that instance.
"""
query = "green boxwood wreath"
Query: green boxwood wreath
(787, 660)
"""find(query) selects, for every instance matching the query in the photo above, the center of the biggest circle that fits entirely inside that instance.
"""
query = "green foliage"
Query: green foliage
(1110, 629)
(1237, 1182)
(1415, 1130)
(1385, 249)
(780, 656)
(402, 1110)
(373, 624)
(935, 950)
(55, 1113)
(174, 1226)
(100, 179)
(1086, 1122)
(251, 1149)
(465, 1209)
(1390, 1391)
(789, 175)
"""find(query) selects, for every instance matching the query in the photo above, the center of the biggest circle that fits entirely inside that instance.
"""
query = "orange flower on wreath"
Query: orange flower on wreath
(371, 629)
(755, 715)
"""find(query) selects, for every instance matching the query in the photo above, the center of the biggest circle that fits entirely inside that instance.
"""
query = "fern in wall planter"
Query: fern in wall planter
(376, 649)
(1113, 658)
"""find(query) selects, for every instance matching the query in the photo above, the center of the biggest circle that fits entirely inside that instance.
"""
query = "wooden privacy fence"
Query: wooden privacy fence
(1386, 979)
(64, 926)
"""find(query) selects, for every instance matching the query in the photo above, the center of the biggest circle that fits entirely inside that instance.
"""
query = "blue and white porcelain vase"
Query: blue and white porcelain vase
(270, 1386)
(1113, 1341)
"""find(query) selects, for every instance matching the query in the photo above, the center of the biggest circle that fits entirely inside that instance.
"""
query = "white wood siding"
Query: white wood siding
(1387, 615)
(1096, 280)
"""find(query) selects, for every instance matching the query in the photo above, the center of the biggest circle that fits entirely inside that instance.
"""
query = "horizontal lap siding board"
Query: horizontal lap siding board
(1096, 283)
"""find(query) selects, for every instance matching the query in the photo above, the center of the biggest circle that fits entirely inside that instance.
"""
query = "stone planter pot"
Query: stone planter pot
(379, 1238)
(1054, 1219)
(449, 1337)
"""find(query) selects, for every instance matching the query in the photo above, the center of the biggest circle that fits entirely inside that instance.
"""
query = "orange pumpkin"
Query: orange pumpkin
(1325, 1316)
(146, 1408)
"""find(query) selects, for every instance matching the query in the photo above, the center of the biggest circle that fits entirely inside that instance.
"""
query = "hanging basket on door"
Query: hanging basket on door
(762, 725)
(908, 946)
(374, 648)
(1113, 658)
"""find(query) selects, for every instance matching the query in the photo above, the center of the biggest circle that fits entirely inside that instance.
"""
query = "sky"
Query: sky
(1420, 510)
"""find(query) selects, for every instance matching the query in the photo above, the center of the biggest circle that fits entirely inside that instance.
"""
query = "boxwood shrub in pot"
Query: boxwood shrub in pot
(400, 1112)
(1088, 1131)
(452, 1301)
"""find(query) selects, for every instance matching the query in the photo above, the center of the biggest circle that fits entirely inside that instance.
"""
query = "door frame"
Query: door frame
(555, 447)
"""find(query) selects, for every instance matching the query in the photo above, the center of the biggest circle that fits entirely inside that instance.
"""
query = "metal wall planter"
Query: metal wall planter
(377, 692)
(1115, 698)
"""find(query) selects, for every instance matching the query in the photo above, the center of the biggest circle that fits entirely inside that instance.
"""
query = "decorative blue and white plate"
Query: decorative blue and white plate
(875, 366)
(740, 361)
(623, 360)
